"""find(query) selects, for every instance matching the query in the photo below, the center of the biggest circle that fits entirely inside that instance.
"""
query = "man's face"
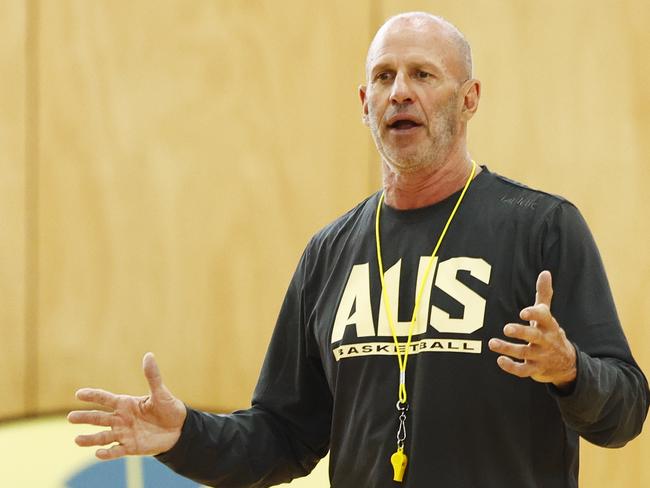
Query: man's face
(411, 103)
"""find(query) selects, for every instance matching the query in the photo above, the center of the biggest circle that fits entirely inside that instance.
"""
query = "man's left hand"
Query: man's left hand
(548, 356)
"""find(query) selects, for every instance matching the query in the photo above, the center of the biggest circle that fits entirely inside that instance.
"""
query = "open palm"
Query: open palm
(139, 425)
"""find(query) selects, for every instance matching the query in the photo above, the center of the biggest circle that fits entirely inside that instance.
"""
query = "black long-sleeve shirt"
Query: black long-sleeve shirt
(330, 377)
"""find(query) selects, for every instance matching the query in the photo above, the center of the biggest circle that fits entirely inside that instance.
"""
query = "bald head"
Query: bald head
(457, 49)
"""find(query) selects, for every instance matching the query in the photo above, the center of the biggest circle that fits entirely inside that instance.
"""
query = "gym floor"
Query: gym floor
(41, 453)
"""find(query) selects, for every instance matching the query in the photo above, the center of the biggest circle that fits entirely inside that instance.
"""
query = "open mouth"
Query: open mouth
(403, 125)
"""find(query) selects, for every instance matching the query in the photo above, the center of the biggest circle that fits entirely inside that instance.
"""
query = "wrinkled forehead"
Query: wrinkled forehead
(405, 41)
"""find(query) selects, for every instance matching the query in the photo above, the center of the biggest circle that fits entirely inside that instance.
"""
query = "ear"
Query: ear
(472, 91)
(364, 103)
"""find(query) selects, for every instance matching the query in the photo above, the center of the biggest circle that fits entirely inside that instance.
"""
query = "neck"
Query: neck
(426, 186)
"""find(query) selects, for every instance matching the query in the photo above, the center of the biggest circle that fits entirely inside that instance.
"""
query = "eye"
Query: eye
(422, 75)
(383, 76)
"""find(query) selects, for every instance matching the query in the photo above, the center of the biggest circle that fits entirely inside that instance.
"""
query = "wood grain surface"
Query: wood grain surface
(164, 164)
(12, 210)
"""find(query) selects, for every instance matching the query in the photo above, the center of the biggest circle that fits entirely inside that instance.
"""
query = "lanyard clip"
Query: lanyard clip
(402, 408)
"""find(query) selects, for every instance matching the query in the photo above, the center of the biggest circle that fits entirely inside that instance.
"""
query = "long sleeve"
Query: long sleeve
(609, 401)
(285, 432)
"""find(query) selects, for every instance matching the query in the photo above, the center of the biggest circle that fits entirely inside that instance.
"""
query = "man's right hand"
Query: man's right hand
(145, 425)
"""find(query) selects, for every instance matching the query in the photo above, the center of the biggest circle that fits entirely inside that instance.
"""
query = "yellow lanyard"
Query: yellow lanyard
(398, 459)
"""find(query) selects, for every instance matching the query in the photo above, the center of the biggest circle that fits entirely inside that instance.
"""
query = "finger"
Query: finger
(92, 417)
(544, 288)
(522, 370)
(113, 452)
(99, 439)
(152, 373)
(95, 395)
(518, 351)
(524, 333)
(539, 316)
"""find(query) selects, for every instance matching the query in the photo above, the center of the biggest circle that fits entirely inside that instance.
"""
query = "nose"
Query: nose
(401, 92)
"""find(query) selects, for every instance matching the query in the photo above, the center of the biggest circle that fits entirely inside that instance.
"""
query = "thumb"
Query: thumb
(544, 289)
(152, 373)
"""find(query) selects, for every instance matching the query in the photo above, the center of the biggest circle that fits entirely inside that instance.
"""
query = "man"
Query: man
(410, 394)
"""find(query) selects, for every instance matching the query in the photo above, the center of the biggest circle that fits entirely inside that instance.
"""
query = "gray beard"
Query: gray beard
(432, 154)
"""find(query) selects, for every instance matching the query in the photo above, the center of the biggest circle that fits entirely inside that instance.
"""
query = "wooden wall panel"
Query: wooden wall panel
(12, 209)
(566, 108)
(186, 152)
(190, 149)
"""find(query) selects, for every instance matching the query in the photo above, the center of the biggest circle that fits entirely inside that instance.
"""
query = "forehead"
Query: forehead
(409, 43)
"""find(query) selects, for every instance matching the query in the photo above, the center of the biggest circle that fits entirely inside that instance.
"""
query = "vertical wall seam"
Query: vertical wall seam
(31, 206)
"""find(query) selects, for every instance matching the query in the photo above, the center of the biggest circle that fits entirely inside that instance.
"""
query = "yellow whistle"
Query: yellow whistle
(399, 462)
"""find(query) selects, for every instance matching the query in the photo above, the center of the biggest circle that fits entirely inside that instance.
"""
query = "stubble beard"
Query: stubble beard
(427, 154)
